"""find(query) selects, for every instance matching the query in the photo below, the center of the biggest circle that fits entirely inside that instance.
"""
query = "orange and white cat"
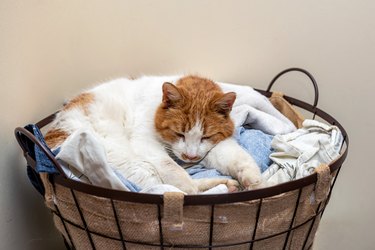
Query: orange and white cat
(142, 122)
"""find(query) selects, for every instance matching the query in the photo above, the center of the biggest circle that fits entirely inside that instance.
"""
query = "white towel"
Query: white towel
(254, 110)
(84, 158)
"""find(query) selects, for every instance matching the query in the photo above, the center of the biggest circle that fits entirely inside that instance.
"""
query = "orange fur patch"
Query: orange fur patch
(80, 101)
(199, 102)
(55, 137)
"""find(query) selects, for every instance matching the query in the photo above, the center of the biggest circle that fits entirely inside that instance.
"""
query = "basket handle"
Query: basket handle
(316, 90)
(23, 136)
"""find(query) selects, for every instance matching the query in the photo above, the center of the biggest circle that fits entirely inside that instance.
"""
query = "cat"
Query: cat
(146, 122)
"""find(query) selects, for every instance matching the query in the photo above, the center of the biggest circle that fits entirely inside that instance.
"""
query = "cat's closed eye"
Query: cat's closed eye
(205, 138)
(182, 136)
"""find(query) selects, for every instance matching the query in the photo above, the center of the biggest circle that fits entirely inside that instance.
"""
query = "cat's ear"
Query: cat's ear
(171, 95)
(225, 103)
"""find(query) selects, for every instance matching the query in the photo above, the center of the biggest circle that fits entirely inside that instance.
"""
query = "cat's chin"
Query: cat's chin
(184, 162)
(191, 162)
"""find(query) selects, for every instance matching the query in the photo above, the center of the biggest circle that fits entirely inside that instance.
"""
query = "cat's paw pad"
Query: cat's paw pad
(250, 179)
(233, 186)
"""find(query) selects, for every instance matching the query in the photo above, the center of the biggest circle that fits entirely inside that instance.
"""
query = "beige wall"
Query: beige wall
(52, 49)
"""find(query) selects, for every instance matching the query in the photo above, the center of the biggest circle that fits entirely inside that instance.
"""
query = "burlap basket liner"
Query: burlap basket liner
(140, 225)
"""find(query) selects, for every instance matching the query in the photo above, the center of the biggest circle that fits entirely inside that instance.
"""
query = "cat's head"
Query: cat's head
(193, 117)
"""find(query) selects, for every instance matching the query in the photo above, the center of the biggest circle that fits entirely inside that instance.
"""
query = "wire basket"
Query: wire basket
(285, 216)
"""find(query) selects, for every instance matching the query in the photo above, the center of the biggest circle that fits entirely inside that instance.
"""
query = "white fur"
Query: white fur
(192, 145)
(122, 118)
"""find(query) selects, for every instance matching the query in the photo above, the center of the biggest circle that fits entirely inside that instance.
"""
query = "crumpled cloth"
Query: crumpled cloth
(85, 159)
(253, 110)
(297, 154)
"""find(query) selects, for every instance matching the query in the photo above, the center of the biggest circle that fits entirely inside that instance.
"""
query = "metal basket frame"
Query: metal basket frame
(24, 137)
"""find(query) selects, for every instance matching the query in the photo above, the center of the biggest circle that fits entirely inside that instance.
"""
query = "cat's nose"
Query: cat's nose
(190, 157)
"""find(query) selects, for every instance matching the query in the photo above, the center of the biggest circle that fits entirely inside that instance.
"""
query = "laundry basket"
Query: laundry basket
(285, 216)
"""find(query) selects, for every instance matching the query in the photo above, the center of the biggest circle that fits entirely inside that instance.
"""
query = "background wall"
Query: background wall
(50, 50)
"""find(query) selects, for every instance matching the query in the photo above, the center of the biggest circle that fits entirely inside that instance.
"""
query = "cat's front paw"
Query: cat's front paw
(233, 186)
(188, 188)
(250, 177)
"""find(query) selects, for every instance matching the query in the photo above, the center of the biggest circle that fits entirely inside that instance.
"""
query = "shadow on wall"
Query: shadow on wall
(34, 218)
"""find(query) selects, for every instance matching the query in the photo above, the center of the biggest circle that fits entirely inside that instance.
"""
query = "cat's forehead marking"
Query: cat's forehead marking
(196, 132)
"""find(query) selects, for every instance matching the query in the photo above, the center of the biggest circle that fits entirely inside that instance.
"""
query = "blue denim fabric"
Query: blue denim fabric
(257, 144)
(43, 164)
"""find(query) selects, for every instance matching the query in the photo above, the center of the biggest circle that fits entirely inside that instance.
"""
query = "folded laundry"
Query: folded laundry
(297, 154)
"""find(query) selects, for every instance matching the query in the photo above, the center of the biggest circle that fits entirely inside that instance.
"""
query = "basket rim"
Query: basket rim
(211, 199)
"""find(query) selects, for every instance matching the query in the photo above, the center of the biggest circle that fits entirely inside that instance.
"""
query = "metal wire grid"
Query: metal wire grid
(122, 238)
